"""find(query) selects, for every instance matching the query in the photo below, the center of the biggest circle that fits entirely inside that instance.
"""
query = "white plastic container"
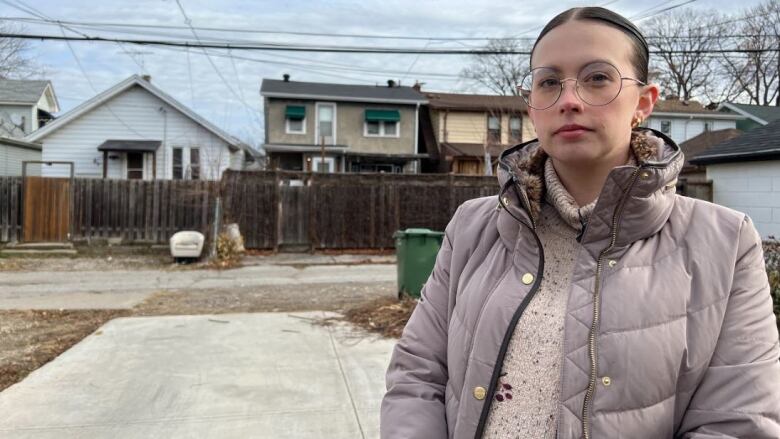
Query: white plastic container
(186, 245)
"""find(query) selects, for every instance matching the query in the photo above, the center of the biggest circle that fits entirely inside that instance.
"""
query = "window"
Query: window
(195, 163)
(178, 161)
(381, 122)
(317, 164)
(135, 166)
(666, 127)
(380, 128)
(325, 123)
(295, 119)
(515, 128)
(494, 129)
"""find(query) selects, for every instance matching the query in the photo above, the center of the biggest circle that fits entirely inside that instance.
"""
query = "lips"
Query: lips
(571, 128)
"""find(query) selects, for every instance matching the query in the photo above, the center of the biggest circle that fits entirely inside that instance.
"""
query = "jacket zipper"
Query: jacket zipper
(515, 317)
(596, 309)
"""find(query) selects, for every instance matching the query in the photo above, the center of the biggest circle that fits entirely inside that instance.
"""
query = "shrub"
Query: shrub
(772, 257)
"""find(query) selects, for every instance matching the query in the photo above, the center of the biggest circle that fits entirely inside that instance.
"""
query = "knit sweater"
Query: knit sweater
(525, 400)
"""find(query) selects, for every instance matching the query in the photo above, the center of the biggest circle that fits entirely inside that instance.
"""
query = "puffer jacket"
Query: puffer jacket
(669, 300)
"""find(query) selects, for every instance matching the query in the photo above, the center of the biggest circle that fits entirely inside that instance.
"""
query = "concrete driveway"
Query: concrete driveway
(269, 375)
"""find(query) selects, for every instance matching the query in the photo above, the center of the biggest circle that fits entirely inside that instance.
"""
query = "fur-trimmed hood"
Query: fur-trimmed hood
(659, 161)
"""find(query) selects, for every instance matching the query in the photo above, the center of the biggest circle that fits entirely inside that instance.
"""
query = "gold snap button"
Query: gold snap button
(528, 278)
(480, 393)
(645, 175)
(612, 262)
(606, 381)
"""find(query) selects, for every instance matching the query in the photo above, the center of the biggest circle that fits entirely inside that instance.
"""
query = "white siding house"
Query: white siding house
(684, 120)
(14, 152)
(134, 130)
(25, 106)
(745, 175)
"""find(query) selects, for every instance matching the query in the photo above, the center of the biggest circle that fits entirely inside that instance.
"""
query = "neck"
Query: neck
(584, 183)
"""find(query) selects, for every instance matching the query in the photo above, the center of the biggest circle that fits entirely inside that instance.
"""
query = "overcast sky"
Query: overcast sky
(237, 106)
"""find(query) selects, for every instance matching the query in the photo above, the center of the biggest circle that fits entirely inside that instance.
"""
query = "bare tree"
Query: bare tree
(502, 72)
(15, 61)
(755, 73)
(689, 74)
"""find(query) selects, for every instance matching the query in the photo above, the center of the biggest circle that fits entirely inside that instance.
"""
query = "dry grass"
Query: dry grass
(386, 316)
(31, 338)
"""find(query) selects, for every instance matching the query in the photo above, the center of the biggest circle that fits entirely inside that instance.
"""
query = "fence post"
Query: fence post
(215, 229)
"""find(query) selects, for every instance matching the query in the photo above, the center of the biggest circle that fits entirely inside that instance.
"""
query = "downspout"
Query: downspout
(416, 135)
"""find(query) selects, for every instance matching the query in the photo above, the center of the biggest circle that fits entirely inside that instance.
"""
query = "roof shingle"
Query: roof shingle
(762, 143)
(22, 91)
(403, 94)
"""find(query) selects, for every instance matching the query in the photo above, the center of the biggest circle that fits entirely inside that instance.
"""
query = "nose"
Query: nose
(569, 100)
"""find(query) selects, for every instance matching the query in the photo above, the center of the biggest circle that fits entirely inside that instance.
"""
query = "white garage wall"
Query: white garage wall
(750, 187)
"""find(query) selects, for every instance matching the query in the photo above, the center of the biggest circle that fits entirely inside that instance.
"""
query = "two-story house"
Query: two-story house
(341, 127)
(25, 106)
(683, 120)
(469, 129)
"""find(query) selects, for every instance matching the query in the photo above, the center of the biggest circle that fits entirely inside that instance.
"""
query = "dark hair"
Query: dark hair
(641, 56)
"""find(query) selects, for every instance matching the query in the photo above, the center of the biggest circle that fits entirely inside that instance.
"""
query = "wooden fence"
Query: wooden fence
(10, 209)
(337, 211)
(273, 208)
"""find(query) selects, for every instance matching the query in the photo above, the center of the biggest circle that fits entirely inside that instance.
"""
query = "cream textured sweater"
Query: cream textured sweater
(525, 401)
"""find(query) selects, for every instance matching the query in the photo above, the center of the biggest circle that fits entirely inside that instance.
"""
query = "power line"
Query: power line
(330, 49)
(188, 22)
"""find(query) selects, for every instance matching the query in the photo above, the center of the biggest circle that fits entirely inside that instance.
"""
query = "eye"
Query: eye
(597, 78)
(548, 83)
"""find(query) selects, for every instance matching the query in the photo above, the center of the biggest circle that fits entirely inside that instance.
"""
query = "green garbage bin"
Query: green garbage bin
(416, 251)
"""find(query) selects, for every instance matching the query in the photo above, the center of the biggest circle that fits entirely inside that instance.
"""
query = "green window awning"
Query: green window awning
(382, 116)
(295, 112)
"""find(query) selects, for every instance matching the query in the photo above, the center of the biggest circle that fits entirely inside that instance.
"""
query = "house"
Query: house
(466, 129)
(134, 130)
(745, 175)
(14, 152)
(341, 127)
(755, 115)
(683, 120)
(25, 106)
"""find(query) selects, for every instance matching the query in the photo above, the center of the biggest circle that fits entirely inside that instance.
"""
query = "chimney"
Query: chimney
(286, 77)
(147, 78)
(417, 86)
(390, 83)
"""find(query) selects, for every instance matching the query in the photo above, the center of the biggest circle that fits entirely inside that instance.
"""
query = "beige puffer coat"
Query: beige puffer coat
(669, 299)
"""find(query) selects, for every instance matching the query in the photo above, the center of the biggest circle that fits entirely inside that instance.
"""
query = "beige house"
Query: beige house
(341, 128)
(468, 129)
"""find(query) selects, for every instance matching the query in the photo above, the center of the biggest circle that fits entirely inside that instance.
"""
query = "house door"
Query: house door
(46, 209)
(135, 166)
(326, 124)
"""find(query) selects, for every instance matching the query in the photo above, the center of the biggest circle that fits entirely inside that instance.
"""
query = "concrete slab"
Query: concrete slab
(221, 376)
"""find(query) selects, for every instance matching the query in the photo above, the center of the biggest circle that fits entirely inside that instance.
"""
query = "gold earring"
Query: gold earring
(636, 121)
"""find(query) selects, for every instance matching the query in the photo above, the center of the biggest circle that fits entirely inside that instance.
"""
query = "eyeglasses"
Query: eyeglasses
(597, 84)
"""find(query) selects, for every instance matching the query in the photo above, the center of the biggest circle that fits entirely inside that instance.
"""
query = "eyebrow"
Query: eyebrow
(559, 70)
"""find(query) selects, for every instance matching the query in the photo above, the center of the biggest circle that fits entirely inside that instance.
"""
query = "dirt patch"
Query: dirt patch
(30, 339)
(386, 316)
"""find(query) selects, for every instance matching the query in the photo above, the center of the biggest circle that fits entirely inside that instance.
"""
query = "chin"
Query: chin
(574, 152)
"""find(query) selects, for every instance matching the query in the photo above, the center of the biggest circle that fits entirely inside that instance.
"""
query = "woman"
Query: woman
(590, 300)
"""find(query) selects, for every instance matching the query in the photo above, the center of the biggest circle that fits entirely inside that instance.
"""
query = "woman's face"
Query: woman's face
(607, 129)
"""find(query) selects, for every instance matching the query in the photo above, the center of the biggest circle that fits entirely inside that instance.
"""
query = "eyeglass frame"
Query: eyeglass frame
(576, 86)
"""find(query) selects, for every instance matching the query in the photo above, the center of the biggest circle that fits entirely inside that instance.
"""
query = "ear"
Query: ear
(648, 96)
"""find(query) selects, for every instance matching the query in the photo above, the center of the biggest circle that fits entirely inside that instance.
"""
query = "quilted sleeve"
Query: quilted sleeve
(739, 395)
